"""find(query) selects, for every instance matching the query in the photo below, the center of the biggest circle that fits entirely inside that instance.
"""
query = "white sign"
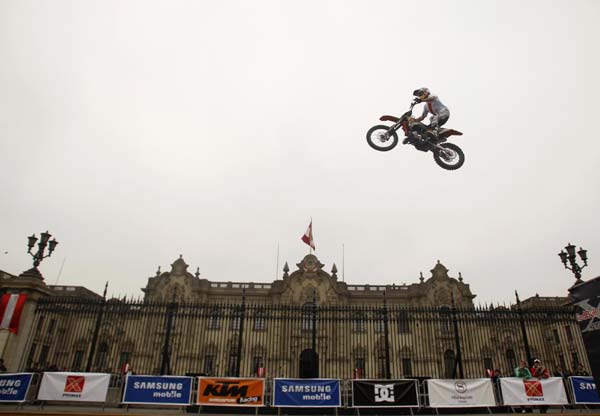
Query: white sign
(82, 387)
(477, 392)
(517, 391)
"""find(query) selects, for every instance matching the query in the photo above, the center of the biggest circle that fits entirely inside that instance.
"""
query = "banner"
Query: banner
(171, 390)
(384, 393)
(477, 392)
(306, 392)
(82, 387)
(231, 391)
(14, 387)
(517, 391)
(584, 390)
(586, 297)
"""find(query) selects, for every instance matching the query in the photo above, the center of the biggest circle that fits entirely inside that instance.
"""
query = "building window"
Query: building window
(445, 319)
(487, 363)
(449, 363)
(380, 321)
(232, 365)
(51, 326)
(381, 373)
(569, 333)
(556, 336)
(77, 360)
(511, 360)
(236, 322)
(101, 357)
(403, 323)
(257, 362)
(40, 323)
(406, 367)
(209, 364)
(214, 321)
(32, 352)
(44, 356)
(260, 322)
(575, 359)
(358, 323)
(308, 315)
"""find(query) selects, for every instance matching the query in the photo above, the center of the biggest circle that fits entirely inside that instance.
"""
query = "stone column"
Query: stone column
(12, 346)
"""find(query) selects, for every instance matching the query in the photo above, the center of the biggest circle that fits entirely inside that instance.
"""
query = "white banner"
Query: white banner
(516, 391)
(82, 387)
(477, 392)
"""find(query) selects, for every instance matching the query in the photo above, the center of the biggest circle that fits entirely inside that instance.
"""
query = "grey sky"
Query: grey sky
(136, 131)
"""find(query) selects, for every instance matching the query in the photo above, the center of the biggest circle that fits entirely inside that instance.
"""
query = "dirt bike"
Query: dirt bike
(384, 138)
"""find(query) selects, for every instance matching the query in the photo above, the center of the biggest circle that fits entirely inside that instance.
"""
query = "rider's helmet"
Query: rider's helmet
(421, 92)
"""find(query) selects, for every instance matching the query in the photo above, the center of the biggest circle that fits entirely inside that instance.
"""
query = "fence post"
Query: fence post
(241, 333)
(456, 338)
(523, 331)
(165, 367)
(314, 322)
(388, 373)
(88, 366)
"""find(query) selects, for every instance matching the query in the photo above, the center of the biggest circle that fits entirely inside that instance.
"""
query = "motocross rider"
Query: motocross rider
(433, 105)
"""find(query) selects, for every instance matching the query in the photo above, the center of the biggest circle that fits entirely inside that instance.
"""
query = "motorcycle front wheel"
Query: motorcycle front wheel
(451, 157)
(380, 138)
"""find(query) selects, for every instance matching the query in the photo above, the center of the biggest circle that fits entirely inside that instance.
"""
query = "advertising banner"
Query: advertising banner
(231, 391)
(584, 390)
(384, 393)
(306, 392)
(586, 297)
(80, 387)
(170, 390)
(14, 387)
(477, 392)
(517, 391)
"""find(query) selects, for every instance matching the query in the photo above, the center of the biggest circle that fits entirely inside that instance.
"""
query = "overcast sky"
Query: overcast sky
(136, 131)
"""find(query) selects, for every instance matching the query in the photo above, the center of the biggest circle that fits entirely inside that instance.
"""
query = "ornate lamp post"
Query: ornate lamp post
(570, 257)
(40, 255)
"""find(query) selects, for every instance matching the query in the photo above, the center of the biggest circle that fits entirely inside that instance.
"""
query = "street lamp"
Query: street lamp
(44, 242)
(570, 258)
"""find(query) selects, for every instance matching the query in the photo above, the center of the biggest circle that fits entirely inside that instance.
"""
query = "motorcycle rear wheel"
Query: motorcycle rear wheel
(451, 158)
(379, 138)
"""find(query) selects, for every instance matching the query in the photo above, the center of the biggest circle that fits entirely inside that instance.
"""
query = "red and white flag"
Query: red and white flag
(308, 237)
(11, 307)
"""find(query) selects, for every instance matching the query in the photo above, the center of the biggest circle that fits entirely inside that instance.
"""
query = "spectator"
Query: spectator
(580, 371)
(496, 376)
(2, 366)
(538, 370)
(561, 373)
(522, 371)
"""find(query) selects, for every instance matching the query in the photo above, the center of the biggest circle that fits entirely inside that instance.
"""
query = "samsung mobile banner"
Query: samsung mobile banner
(14, 387)
(306, 392)
(517, 391)
(384, 393)
(477, 392)
(81, 387)
(170, 390)
(584, 390)
(231, 391)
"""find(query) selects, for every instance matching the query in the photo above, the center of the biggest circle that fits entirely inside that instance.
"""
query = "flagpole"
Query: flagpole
(311, 226)
(343, 262)
(277, 264)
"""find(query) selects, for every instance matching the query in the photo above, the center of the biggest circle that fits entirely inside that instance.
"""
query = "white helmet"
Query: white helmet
(421, 92)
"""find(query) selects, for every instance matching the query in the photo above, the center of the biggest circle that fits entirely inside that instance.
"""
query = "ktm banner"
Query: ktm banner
(586, 297)
(231, 391)
(517, 391)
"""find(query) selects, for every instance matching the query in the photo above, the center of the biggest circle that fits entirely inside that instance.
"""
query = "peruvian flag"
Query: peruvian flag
(308, 237)
(11, 307)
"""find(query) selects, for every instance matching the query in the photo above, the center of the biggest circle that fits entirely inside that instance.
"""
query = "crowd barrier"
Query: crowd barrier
(290, 392)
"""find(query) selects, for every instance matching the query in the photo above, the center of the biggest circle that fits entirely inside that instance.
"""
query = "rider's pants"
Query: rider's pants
(439, 119)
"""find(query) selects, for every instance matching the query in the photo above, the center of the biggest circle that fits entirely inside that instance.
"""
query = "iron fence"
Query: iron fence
(237, 339)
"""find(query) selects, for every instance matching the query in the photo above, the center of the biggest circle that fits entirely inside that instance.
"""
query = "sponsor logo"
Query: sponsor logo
(587, 386)
(231, 391)
(74, 384)
(166, 390)
(384, 393)
(460, 387)
(533, 388)
(589, 313)
(225, 388)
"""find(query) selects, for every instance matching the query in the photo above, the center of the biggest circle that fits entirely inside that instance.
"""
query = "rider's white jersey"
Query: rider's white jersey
(435, 106)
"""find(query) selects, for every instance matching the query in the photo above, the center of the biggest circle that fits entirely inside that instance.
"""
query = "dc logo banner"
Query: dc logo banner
(309, 392)
(13, 387)
(584, 389)
(384, 393)
(170, 390)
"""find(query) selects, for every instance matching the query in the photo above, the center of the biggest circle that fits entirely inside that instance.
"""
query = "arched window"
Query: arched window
(445, 319)
(449, 363)
(511, 360)
(214, 321)
(101, 356)
(403, 322)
